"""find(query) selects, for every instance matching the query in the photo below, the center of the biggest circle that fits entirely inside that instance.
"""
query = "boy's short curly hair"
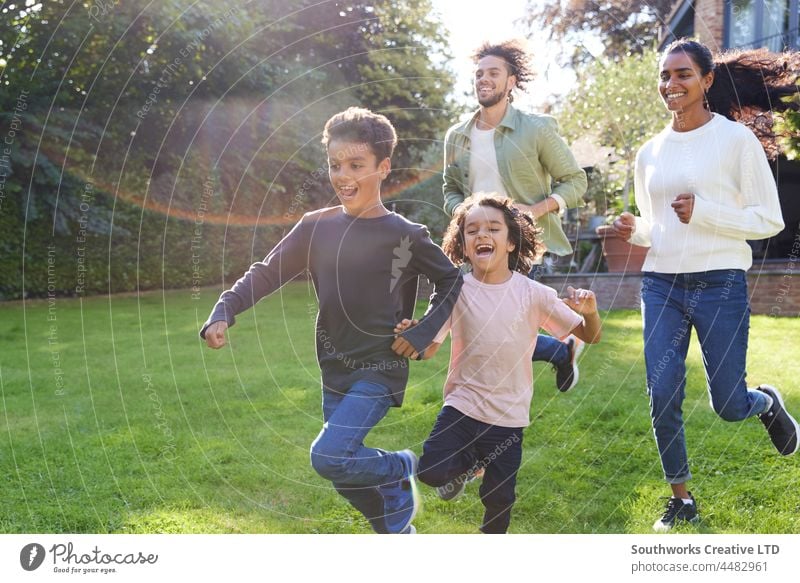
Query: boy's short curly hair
(515, 54)
(362, 126)
(522, 232)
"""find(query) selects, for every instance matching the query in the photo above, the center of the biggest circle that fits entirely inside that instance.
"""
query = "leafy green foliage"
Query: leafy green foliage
(624, 26)
(616, 104)
(178, 112)
(787, 125)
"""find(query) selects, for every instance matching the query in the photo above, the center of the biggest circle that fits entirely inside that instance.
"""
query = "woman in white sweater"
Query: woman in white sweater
(703, 187)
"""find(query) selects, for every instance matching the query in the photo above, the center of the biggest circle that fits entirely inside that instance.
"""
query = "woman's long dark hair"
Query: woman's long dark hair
(748, 85)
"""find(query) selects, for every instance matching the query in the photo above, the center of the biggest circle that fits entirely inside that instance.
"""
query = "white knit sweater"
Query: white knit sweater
(724, 165)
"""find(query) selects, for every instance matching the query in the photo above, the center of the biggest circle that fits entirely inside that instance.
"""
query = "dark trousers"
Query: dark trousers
(454, 447)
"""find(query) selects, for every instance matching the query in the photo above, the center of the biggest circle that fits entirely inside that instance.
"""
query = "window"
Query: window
(762, 23)
(680, 25)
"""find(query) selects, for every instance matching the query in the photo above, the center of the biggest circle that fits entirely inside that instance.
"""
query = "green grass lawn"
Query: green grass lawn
(116, 418)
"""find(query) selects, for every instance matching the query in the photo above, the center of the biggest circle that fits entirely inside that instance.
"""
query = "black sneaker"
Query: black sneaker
(567, 372)
(452, 489)
(781, 426)
(676, 511)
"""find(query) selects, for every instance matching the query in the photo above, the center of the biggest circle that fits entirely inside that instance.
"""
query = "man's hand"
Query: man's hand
(624, 225)
(582, 301)
(683, 205)
(540, 209)
(215, 334)
(528, 208)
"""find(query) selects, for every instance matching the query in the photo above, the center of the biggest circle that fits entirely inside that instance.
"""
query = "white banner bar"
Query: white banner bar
(421, 558)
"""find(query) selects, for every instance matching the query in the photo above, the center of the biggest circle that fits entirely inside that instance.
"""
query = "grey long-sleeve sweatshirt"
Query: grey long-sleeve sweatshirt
(365, 273)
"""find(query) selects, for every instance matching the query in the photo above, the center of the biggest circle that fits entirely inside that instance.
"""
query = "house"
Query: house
(728, 24)
(749, 24)
(774, 280)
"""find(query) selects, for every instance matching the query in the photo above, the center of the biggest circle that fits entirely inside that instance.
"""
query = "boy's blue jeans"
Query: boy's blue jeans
(715, 304)
(338, 453)
(547, 348)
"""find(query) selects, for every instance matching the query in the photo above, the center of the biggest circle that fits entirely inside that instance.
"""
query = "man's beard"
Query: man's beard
(493, 99)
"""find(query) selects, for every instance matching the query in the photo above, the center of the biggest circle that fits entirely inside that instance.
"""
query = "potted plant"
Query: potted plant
(621, 256)
(621, 124)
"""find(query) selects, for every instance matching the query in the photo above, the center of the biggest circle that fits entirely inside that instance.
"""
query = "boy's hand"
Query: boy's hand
(582, 301)
(215, 334)
(401, 346)
(404, 325)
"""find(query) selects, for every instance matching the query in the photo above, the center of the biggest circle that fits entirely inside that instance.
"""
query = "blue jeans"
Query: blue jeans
(547, 348)
(715, 304)
(338, 453)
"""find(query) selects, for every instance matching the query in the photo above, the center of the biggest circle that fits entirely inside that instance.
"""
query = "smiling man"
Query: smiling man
(520, 155)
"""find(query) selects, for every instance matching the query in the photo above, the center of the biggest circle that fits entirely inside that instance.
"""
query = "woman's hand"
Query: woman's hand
(683, 205)
(624, 225)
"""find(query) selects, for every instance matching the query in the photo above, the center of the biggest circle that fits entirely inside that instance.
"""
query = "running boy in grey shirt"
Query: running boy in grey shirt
(364, 262)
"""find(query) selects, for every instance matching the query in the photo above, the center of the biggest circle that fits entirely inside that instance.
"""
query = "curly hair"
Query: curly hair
(359, 125)
(748, 85)
(522, 232)
(516, 56)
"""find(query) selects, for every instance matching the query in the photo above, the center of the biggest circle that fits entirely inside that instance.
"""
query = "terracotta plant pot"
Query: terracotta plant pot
(621, 256)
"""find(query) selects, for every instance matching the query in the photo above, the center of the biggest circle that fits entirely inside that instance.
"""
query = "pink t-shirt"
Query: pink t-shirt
(494, 329)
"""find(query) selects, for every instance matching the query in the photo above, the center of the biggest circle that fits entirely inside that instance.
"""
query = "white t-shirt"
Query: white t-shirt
(494, 329)
(723, 164)
(484, 176)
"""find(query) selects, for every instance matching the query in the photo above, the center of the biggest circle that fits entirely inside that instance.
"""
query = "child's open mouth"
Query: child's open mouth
(483, 250)
(347, 191)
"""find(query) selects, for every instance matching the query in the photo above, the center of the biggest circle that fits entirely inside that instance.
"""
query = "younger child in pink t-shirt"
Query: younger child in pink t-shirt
(494, 327)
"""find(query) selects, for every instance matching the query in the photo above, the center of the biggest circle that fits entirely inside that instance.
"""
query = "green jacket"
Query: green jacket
(530, 156)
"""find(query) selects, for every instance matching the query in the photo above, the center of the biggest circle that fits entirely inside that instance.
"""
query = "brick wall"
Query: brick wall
(709, 20)
(774, 289)
(774, 292)
(613, 290)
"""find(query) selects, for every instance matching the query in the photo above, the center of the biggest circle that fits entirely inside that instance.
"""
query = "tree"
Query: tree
(789, 127)
(390, 58)
(150, 104)
(616, 104)
(623, 26)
